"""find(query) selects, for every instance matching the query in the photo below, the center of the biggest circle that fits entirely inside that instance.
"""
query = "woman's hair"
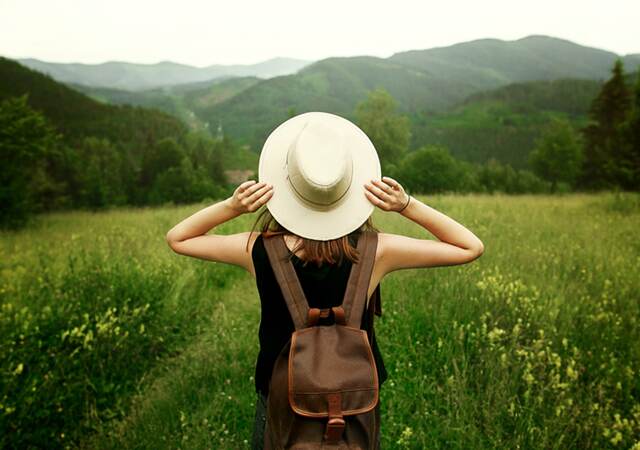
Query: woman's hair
(331, 251)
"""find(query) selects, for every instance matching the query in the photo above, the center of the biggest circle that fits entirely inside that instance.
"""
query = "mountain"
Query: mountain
(489, 63)
(423, 81)
(76, 116)
(131, 76)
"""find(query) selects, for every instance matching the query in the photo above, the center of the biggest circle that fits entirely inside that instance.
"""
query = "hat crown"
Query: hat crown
(319, 165)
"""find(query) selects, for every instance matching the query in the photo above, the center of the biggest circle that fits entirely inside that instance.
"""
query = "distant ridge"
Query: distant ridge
(135, 77)
(490, 63)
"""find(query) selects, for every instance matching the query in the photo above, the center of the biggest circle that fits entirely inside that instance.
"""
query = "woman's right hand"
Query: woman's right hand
(249, 196)
(387, 194)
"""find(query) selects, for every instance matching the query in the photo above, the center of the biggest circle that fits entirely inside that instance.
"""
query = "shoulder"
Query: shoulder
(388, 250)
(387, 244)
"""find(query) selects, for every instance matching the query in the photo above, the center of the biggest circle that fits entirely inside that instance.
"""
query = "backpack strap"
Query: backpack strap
(355, 295)
(287, 278)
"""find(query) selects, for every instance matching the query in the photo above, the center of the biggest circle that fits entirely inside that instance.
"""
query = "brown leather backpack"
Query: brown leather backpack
(323, 391)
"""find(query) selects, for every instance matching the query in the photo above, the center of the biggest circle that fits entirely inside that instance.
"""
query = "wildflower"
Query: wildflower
(528, 378)
(496, 334)
(18, 370)
(571, 373)
(405, 436)
(616, 438)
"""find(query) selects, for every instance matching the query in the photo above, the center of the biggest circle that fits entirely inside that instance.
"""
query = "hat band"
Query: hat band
(317, 205)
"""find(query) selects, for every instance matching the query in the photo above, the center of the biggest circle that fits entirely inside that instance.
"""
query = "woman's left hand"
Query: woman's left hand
(250, 196)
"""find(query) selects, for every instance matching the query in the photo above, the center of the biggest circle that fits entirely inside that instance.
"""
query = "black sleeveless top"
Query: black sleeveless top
(322, 286)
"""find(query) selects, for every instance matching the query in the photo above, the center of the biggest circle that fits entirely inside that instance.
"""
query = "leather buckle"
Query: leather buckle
(334, 430)
(335, 422)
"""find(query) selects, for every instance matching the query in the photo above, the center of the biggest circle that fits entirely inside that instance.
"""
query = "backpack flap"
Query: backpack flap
(331, 364)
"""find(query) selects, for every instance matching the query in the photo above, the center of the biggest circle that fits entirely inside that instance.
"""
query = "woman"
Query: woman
(320, 180)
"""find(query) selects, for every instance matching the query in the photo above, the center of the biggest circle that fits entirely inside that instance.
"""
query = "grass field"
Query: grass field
(112, 341)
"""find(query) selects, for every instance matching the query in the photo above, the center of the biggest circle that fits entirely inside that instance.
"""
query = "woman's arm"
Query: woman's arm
(458, 245)
(189, 236)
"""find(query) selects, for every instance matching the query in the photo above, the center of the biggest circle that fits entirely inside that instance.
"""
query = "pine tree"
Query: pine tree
(603, 136)
(631, 149)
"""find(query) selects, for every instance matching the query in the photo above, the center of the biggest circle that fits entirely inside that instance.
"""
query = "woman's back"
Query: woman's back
(323, 287)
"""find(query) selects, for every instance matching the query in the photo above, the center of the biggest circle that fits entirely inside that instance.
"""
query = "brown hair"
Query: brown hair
(331, 251)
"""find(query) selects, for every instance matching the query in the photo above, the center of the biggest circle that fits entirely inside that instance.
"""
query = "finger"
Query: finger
(245, 185)
(253, 188)
(392, 182)
(373, 189)
(375, 200)
(384, 186)
(258, 192)
(380, 193)
(262, 200)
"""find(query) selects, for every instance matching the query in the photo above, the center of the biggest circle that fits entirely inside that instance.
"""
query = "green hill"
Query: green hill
(76, 116)
(108, 155)
(504, 123)
(184, 101)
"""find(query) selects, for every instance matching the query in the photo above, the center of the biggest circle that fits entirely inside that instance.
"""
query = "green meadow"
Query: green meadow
(112, 341)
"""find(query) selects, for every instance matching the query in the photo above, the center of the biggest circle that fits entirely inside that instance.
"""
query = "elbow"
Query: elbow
(478, 250)
(475, 252)
(171, 242)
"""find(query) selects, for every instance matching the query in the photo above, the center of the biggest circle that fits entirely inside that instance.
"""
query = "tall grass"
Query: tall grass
(534, 345)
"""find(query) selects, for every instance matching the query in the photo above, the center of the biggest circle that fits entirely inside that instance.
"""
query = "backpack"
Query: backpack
(323, 391)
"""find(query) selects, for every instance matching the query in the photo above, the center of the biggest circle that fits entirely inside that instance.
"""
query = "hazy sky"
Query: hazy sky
(244, 32)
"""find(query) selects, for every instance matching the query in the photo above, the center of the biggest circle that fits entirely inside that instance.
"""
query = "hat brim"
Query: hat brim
(292, 212)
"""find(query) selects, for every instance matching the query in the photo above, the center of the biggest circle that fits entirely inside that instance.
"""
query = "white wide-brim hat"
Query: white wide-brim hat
(318, 163)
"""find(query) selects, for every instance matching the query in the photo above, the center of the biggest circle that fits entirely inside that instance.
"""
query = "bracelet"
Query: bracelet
(407, 204)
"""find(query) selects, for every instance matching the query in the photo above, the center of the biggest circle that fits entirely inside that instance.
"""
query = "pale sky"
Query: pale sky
(200, 33)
